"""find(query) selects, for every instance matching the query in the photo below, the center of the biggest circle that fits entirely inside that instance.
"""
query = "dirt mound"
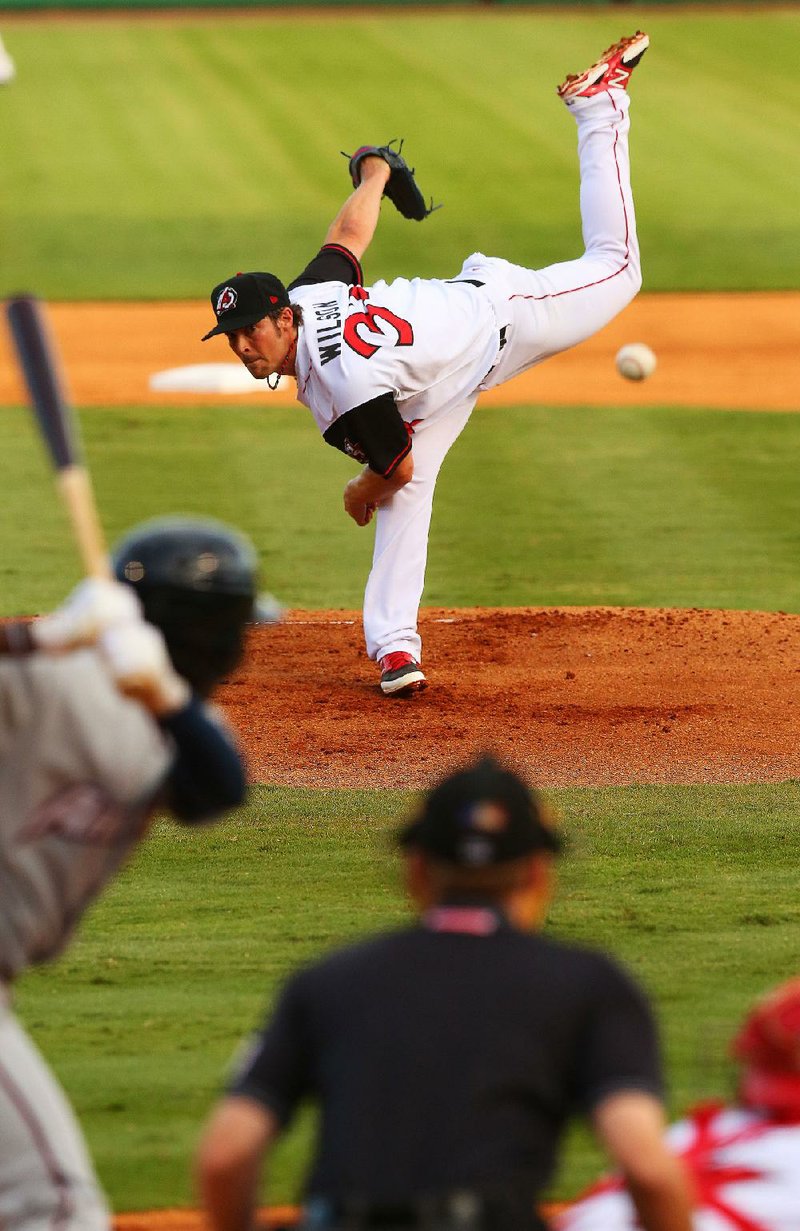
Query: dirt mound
(579, 696)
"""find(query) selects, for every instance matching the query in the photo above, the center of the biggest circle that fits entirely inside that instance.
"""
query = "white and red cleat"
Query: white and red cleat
(401, 674)
(611, 72)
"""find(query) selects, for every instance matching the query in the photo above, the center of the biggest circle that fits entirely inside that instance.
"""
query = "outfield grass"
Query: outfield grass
(150, 158)
(534, 506)
(694, 888)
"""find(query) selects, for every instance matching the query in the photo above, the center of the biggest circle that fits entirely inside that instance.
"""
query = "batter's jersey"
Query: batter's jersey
(450, 1055)
(744, 1167)
(80, 766)
(374, 361)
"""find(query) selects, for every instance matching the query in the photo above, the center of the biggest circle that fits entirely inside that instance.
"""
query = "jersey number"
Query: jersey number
(362, 345)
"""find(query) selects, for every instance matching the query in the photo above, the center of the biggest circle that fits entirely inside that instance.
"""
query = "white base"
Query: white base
(209, 378)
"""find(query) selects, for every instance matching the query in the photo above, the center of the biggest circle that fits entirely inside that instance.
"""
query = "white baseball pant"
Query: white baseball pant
(544, 311)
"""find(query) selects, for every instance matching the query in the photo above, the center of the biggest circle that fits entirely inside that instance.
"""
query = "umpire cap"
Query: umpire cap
(196, 579)
(481, 815)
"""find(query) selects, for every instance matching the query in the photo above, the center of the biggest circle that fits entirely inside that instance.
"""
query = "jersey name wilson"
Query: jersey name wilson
(328, 330)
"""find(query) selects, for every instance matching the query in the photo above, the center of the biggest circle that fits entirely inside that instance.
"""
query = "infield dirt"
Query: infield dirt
(578, 696)
(725, 351)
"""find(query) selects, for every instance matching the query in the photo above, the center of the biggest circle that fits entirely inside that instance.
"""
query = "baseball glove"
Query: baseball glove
(401, 187)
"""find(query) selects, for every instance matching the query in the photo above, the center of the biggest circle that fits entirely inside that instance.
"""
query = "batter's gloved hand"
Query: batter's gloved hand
(138, 661)
(92, 607)
(401, 187)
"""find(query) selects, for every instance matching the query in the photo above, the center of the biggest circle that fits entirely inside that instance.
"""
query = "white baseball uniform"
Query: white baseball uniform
(745, 1169)
(400, 365)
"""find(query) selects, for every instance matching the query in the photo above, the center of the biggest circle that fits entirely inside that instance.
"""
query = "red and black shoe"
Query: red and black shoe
(401, 674)
(611, 72)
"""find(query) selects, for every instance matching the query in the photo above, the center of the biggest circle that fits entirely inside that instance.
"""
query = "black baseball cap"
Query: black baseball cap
(483, 814)
(244, 299)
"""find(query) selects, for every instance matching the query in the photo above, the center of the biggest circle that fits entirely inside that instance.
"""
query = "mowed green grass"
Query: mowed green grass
(151, 158)
(535, 505)
(693, 888)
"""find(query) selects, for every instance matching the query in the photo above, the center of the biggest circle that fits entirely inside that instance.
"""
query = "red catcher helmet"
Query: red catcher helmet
(768, 1046)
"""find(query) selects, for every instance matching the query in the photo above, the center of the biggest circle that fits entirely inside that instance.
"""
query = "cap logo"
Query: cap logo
(487, 816)
(273, 299)
(226, 300)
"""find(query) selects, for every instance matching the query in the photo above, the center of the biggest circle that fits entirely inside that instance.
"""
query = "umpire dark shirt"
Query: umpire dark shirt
(449, 1055)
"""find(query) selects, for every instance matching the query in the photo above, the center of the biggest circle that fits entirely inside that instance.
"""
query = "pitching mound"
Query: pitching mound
(578, 696)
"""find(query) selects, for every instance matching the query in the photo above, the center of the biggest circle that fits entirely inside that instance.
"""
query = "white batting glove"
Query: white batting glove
(92, 607)
(137, 659)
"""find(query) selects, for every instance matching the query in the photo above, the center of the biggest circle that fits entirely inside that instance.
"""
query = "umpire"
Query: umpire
(448, 1056)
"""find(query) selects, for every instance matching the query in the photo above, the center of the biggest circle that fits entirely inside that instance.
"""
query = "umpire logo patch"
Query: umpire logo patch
(226, 300)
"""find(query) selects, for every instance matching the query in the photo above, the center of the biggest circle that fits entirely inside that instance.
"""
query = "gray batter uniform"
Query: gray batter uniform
(80, 770)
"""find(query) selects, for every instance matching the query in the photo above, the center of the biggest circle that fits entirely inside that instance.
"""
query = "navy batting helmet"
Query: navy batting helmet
(196, 580)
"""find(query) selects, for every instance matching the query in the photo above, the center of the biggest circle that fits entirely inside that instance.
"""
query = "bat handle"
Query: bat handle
(76, 490)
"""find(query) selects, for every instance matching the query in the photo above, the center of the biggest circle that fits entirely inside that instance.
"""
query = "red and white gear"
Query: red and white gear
(744, 1166)
(743, 1161)
(768, 1047)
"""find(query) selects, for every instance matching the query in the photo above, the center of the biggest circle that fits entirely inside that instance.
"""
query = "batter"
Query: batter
(98, 730)
(391, 372)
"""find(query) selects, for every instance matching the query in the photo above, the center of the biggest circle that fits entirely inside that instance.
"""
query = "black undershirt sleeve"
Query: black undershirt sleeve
(333, 263)
(374, 433)
(276, 1067)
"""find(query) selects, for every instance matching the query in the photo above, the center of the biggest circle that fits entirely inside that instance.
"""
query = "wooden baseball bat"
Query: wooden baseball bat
(40, 366)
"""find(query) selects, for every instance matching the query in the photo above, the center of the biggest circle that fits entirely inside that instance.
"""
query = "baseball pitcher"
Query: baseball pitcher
(102, 720)
(391, 371)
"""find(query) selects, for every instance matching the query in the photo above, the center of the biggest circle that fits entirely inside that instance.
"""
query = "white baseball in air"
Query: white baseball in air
(635, 361)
